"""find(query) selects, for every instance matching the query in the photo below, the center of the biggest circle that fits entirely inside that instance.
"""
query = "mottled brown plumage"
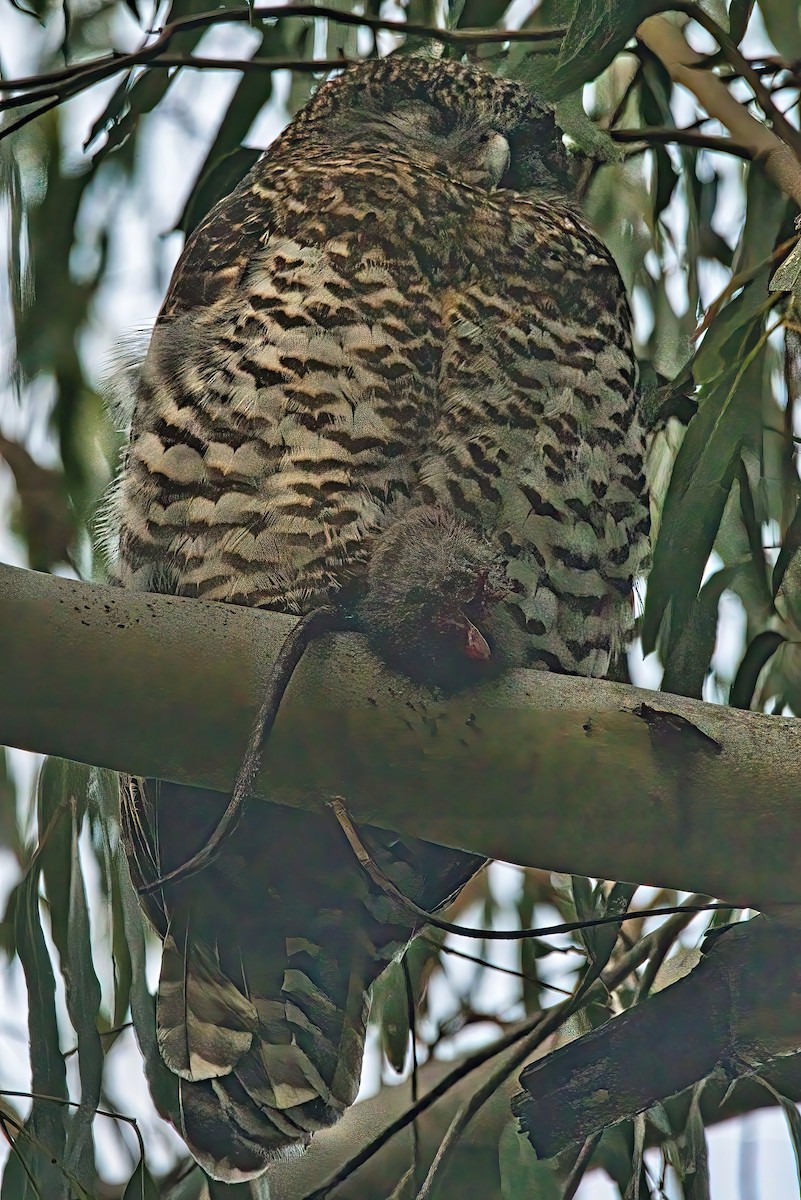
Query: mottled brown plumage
(400, 309)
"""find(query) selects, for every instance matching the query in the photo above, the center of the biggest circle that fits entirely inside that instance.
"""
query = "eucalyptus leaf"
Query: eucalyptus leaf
(787, 276)
(688, 1153)
(41, 1149)
(163, 1084)
(522, 1174)
(112, 112)
(83, 1004)
(62, 794)
(705, 468)
(694, 644)
(597, 31)
(390, 1010)
(390, 999)
(634, 1187)
(218, 181)
(141, 1185)
(782, 22)
(793, 1118)
(9, 826)
(739, 15)
(600, 940)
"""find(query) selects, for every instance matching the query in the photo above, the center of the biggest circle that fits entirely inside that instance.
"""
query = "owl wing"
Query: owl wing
(291, 373)
(538, 439)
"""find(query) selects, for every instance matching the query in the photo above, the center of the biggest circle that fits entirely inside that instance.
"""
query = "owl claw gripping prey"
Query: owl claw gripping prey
(392, 381)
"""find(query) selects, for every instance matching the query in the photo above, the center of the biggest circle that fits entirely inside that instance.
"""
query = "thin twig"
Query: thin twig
(102, 1033)
(63, 84)
(196, 62)
(21, 122)
(580, 1165)
(101, 68)
(682, 137)
(663, 940)
(734, 55)
(611, 977)
(422, 917)
(190, 61)
(739, 280)
(99, 1112)
(466, 1067)
(686, 66)
(491, 966)
(549, 1023)
(544, 1027)
(12, 1141)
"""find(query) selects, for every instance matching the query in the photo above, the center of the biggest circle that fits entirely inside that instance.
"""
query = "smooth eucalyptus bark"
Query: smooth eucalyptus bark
(563, 773)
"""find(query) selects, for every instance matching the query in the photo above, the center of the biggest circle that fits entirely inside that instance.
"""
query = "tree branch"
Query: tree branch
(56, 86)
(666, 40)
(475, 1162)
(34, 88)
(569, 774)
(736, 1011)
(370, 1147)
(745, 70)
(650, 135)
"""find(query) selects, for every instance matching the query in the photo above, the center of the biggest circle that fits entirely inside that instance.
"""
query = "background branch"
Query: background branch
(56, 86)
(682, 137)
(475, 1160)
(666, 40)
(738, 1009)
(746, 986)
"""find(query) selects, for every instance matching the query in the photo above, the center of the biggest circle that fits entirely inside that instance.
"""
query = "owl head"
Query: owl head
(459, 112)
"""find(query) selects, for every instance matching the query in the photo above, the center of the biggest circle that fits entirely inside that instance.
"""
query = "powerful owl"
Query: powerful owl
(394, 374)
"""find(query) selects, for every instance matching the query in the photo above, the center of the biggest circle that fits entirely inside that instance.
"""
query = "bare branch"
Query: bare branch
(569, 774)
(650, 135)
(420, 918)
(56, 86)
(778, 158)
(787, 132)
(475, 1159)
(735, 1012)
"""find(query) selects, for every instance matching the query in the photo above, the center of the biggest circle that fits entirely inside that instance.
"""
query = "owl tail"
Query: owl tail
(257, 1075)
(268, 953)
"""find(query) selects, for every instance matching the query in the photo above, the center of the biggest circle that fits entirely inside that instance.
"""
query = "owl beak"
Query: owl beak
(476, 644)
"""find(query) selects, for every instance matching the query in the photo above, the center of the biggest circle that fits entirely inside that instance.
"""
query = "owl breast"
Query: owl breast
(392, 335)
